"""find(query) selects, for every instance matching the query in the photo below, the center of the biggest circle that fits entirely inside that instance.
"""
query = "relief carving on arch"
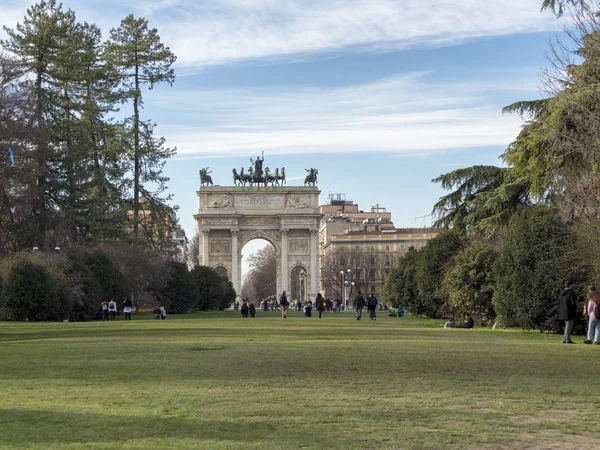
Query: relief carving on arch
(298, 245)
(298, 202)
(220, 246)
(258, 222)
(218, 221)
(299, 221)
(224, 201)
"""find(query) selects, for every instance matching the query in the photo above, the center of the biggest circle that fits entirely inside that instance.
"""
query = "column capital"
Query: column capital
(235, 231)
(284, 231)
(313, 230)
(204, 230)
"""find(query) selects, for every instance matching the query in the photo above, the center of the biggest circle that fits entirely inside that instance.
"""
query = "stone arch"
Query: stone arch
(285, 216)
(250, 235)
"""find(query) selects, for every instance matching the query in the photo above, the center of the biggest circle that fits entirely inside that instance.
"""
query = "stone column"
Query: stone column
(235, 269)
(204, 249)
(284, 263)
(315, 287)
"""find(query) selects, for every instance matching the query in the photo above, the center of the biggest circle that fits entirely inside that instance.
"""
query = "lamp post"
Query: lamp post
(346, 281)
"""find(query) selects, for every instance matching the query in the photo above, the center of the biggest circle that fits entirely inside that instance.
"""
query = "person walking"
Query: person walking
(283, 301)
(252, 309)
(320, 304)
(593, 312)
(127, 305)
(112, 310)
(372, 307)
(567, 307)
(359, 304)
(244, 309)
(163, 313)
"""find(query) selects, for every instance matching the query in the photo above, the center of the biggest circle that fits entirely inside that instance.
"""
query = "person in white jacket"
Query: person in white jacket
(112, 310)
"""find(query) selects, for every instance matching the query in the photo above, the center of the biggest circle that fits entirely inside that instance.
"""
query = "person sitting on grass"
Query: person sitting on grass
(244, 310)
(450, 323)
(252, 310)
(400, 311)
(157, 313)
(468, 323)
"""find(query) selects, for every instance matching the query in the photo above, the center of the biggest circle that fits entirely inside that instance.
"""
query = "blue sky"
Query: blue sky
(380, 95)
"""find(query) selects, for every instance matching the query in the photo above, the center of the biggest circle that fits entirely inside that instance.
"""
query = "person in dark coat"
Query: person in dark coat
(359, 303)
(252, 309)
(372, 306)
(285, 305)
(244, 310)
(567, 308)
(320, 304)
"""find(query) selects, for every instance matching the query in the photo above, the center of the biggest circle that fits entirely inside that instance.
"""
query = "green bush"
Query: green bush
(111, 281)
(31, 293)
(85, 291)
(179, 294)
(435, 258)
(536, 258)
(215, 291)
(470, 282)
(400, 285)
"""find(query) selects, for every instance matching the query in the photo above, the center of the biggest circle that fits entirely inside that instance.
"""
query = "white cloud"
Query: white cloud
(401, 115)
(212, 32)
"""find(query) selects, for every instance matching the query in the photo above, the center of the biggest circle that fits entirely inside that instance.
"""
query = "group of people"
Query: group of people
(109, 309)
(567, 310)
(360, 302)
(247, 308)
(467, 323)
(160, 313)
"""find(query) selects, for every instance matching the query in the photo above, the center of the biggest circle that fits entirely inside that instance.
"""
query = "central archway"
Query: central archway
(286, 216)
(259, 271)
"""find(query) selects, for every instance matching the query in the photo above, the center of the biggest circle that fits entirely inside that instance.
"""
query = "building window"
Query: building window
(402, 246)
(372, 260)
(387, 248)
(357, 248)
(372, 275)
(372, 289)
(357, 274)
(372, 248)
(328, 215)
(387, 260)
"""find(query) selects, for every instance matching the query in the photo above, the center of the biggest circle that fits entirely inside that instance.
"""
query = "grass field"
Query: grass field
(215, 380)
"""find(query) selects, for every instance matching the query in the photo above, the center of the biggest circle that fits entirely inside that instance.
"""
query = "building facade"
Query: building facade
(359, 249)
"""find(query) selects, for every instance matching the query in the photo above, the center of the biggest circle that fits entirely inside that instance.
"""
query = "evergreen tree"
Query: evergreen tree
(41, 45)
(141, 59)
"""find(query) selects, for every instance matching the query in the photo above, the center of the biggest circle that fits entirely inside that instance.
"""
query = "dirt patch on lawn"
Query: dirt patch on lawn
(543, 416)
(546, 440)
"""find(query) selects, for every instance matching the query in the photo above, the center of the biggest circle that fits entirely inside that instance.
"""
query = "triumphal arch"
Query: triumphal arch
(286, 216)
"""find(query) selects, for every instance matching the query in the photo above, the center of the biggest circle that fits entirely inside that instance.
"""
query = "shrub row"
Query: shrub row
(513, 281)
(37, 286)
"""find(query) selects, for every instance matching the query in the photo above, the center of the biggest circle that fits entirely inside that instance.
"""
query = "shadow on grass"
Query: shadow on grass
(23, 427)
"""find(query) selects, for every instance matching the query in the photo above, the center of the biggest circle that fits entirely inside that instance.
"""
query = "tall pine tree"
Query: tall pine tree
(136, 52)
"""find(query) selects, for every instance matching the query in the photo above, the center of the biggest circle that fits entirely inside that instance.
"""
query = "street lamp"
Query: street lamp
(346, 279)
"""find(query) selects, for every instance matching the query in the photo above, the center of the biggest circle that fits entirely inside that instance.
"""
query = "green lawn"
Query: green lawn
(215, 380)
